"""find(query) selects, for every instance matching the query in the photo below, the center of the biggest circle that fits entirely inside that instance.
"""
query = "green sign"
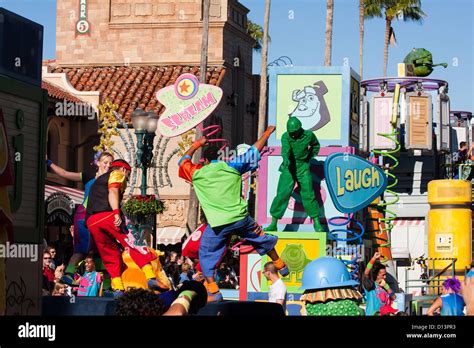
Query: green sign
(82, 25)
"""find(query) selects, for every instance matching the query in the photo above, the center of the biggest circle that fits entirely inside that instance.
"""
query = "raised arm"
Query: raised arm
(185, 164)
(260, 143)
(73, 176)
(196, 145)
(371, 264)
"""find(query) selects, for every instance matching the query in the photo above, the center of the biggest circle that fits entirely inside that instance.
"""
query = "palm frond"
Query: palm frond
(393, 40)
(414, 14)
(256, 32)
(373, 8)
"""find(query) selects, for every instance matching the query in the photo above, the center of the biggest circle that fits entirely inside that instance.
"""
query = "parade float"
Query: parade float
(372, 134)
(399, 125)
(370, 178)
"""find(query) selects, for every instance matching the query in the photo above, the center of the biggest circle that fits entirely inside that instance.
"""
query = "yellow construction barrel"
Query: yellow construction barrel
(449, 222)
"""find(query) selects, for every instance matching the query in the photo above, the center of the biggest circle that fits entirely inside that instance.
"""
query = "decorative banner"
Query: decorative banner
(83, 26)
(353, 182)
(188, 103)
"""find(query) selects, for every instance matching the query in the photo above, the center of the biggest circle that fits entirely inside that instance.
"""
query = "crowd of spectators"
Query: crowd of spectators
(179, 269)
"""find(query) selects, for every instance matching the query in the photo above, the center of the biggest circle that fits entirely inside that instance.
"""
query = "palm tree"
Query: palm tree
(361, 36)
(328, 43)
(256, 32)
(262, 106)
(407, 10)
(193, 210)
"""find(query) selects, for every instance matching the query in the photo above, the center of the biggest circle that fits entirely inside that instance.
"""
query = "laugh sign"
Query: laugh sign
(353, 182)
(188, 103)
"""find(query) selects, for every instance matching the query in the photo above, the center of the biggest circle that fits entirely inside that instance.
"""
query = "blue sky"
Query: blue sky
(297, 30)
(447, 31)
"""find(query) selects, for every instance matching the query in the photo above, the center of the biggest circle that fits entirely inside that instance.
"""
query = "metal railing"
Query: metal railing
(430, 280)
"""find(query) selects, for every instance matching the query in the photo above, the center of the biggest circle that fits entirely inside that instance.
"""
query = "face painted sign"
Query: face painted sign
(188, 103)
(353, 182)
(311, 109)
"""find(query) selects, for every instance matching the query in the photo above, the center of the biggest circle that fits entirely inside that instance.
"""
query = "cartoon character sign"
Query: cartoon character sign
(311, 110)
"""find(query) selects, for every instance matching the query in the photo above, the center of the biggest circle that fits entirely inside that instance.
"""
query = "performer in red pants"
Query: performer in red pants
(105, 222)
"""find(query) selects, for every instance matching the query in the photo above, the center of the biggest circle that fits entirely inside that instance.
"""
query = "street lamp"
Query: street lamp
(145, 124)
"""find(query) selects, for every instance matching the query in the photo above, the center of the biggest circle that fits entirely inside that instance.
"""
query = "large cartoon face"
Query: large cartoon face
(311, 109)
(308, 105)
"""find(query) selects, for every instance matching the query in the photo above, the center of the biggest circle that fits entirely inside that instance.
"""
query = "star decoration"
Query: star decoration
(184, 87)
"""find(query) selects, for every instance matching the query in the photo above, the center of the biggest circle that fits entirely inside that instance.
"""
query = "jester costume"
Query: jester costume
(108, 237)
(299, 146)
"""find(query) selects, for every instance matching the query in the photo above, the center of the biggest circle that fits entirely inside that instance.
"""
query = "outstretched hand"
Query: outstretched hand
(271, 129)
(202, 140)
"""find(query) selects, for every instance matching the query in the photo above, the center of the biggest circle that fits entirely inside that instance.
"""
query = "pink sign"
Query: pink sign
(188, 103)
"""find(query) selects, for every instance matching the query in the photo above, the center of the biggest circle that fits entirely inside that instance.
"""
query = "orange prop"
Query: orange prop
(379, 232)
(134, 277)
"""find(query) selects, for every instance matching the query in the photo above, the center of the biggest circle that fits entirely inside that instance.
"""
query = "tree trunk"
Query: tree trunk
(193, 209)
(361, 37)
(388, 25)
(262, 105)
(328, 44)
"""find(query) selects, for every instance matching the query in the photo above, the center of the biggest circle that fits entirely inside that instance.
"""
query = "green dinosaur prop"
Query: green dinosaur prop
(422, 61)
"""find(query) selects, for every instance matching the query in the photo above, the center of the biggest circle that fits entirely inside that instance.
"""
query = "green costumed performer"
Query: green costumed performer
(299, 146)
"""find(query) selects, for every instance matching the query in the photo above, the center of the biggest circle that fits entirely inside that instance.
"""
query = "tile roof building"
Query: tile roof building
(132, 86)
(126, 50)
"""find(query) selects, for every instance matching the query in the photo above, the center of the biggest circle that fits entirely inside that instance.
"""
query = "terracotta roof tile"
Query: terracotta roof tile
(132, 86)
(59, 93)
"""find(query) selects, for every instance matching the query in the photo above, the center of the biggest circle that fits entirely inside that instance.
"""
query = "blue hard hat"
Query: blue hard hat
(325, 273)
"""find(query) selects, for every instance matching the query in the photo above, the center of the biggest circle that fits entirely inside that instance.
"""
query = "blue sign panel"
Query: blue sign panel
(353, 182)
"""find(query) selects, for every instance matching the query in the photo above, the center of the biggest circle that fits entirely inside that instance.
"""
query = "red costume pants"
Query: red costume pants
(106, 235)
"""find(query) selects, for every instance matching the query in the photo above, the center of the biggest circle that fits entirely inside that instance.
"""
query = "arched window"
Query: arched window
(53, 142)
